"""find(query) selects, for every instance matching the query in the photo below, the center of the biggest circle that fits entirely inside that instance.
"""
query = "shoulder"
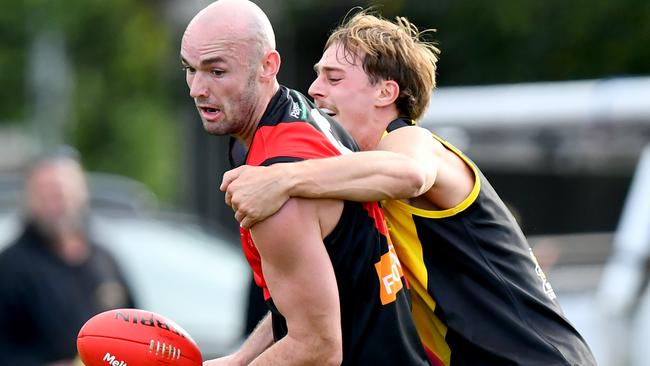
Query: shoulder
(280, 237)
(291, 141)
(16, 250)
(299, 219)
(15, 259)
(410, 132)
(289, 219)
(410, 138)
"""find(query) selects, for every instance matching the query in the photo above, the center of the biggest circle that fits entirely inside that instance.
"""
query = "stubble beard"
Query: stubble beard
(235, 122)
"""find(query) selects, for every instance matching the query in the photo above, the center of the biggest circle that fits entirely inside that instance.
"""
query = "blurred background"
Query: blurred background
(551, 99)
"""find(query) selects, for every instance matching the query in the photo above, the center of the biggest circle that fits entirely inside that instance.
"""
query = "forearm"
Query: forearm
(363, 176)
(259, 340)
(297, 351)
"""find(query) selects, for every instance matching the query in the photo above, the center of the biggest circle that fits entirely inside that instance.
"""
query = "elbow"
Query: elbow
(336, 357)
(416, 182)
(330, 352)
(321, 350)
(336, 360)
(333, 356)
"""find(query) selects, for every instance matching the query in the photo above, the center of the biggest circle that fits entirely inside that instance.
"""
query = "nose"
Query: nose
(198, 87)
(315, 89)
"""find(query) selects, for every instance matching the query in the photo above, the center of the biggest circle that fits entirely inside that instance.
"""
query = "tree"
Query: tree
(122, 119)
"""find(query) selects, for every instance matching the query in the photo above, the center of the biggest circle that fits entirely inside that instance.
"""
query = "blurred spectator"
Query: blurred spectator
(53, 277)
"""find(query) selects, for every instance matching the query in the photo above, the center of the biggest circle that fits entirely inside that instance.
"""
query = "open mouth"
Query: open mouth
(210, 113)
(209, 110)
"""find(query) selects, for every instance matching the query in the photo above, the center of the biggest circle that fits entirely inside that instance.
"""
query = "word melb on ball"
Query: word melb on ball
(134, 337)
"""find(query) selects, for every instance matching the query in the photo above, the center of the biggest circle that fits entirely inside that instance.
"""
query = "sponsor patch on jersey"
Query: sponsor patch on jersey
(390, 275)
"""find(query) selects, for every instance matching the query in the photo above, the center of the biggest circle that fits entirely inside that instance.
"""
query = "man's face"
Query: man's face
(343, 89)
(222, 79)
(57, 196)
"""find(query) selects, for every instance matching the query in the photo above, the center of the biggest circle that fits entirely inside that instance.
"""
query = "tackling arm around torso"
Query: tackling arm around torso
(409, 164)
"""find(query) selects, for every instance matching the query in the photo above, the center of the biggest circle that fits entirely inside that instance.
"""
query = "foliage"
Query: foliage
(122, 120)
(502, 41)
(487, 42)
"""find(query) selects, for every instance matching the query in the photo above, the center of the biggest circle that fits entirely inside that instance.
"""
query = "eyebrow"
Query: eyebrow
(212, 60)
(326, 68)
(206, 61)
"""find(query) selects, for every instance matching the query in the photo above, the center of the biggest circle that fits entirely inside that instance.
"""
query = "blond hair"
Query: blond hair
(391, 51)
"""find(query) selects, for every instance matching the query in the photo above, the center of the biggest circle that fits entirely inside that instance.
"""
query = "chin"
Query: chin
(213, 128)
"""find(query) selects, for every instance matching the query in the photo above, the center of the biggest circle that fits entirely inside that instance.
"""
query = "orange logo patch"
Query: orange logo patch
(390, 275)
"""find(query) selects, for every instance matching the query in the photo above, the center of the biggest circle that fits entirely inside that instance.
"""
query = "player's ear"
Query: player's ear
(270, 64)
(388, 93)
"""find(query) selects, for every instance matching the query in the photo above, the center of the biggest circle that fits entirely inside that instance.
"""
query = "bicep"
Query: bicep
(453, 179)
(419, 145)
(414, 142)
(297, 269)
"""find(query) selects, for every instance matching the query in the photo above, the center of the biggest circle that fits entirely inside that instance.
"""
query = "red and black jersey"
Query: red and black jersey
(375, 309)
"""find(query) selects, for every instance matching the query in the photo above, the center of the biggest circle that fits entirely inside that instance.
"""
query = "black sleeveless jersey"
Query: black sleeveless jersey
(479, 295)
(375, 311)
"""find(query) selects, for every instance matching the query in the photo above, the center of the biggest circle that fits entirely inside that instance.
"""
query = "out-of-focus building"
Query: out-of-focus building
(561, 153)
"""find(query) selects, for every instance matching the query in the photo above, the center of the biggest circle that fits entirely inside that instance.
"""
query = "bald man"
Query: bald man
(329, 273)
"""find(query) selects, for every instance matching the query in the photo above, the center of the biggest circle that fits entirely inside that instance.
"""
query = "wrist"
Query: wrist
(238, 359)
(292, 178)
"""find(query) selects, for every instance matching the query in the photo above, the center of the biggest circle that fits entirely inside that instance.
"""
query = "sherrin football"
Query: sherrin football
(134, 337)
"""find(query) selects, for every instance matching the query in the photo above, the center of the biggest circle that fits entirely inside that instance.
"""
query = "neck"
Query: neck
(376, 128)
(246, 135)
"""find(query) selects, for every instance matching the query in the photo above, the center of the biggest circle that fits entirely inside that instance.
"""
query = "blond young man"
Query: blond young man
(479, 295)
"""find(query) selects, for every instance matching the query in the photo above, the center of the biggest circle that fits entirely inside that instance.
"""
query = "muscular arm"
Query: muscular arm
(301, 280)
(401, 167)
(409, 163)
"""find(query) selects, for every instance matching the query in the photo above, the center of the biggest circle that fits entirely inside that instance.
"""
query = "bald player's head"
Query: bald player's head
(228, 52)
(239, 21)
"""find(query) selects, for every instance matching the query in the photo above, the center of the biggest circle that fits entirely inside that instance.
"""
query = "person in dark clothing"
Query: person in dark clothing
(53, 277)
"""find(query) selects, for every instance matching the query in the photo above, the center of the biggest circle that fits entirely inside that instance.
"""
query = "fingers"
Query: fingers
(228, 198)
(247, 222)
(239, 216)
(230, 176)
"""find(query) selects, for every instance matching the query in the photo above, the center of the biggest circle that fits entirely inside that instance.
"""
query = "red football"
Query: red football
(134, 337)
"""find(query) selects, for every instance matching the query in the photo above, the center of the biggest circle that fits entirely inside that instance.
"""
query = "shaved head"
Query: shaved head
(231, 65)
(236, 20)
